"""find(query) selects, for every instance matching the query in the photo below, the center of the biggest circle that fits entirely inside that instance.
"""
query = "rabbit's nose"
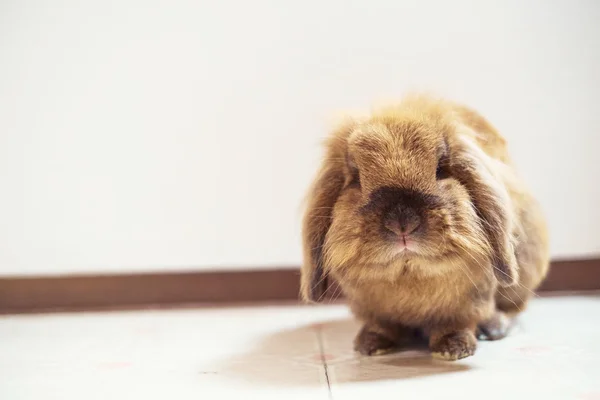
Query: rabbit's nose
(403, 221)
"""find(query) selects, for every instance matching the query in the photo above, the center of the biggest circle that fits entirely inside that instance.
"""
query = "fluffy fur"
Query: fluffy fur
(419, 216)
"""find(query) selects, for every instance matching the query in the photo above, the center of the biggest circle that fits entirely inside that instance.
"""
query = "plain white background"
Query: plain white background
(148, 135)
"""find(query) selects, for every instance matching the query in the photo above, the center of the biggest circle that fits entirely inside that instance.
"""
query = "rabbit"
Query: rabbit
(418, 214)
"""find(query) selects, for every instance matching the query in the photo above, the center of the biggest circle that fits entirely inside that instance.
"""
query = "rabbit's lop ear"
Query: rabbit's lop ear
(481, 176)
(319, 213)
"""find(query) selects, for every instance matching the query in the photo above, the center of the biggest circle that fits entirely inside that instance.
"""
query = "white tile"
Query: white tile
(184, 354)
(273, 352)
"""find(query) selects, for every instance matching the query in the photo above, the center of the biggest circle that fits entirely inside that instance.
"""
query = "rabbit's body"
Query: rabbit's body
(419, 216)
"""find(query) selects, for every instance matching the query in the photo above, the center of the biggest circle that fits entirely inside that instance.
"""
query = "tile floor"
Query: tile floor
(288, 352)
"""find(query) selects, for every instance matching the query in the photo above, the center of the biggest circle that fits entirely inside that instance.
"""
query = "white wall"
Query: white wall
(139, 135)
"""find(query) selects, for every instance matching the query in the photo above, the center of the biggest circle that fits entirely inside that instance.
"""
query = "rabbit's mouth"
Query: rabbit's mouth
(406, 247)
(406, 244)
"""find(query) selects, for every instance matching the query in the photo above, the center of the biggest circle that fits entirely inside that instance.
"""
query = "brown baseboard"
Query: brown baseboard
(573, 275)
(89, 292)
(77, 293)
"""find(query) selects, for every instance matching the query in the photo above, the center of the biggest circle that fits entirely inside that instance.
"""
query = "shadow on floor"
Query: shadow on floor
(297, 357)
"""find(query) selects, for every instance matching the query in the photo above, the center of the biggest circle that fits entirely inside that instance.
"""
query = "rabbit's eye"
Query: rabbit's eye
(442, 170)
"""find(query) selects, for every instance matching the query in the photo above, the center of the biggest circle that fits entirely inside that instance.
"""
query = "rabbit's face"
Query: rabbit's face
(409, 188)
(400, 200)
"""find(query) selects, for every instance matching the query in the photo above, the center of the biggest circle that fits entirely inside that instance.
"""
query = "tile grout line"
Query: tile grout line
(324, 361)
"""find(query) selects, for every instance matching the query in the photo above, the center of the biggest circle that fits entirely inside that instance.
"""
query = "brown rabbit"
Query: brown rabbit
(419, 216)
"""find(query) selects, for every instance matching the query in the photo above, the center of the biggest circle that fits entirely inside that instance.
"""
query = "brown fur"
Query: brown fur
(481, 245)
